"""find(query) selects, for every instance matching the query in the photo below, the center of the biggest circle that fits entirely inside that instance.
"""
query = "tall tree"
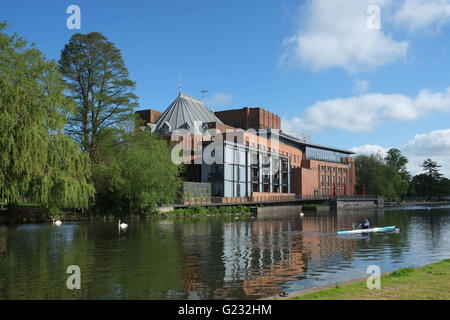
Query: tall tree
(432, 169)
(394, 158)
(99, 81)
(400, 175)
(35, 157)
(431, 179)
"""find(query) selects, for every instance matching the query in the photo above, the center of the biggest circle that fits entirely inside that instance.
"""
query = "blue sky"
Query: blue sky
(317, 63)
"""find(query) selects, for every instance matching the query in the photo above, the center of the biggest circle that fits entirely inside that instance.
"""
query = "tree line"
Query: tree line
(389, 177)
(67, 135)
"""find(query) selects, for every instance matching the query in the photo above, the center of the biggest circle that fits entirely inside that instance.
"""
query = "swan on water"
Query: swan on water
(122, 226)
(57, 222)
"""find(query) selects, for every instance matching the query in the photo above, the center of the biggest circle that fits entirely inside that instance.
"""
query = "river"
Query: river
(214, 257)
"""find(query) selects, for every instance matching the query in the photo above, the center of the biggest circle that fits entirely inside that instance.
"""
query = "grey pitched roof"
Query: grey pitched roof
(182, 113)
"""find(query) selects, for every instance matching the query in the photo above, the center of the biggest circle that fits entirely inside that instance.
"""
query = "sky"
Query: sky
(364, 75)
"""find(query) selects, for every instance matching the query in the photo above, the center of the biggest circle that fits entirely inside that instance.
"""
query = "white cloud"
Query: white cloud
(369, 149)
(434, 145)
(422, 14)
(291, 124)
(335, 34)
(365, 112)
(219, 100)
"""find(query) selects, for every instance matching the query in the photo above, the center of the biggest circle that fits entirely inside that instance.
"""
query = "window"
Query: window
(321, 180)
(314, 153)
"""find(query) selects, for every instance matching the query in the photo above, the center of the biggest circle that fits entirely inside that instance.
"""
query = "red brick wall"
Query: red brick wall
(250, 118)
(150, 116)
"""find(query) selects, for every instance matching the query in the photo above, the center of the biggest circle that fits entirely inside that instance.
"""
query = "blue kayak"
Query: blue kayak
(380, 229)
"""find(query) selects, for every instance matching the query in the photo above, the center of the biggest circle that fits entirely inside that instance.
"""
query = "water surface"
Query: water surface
(213, 257)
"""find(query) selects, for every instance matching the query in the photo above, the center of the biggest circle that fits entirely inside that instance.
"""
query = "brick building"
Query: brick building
(253, 158)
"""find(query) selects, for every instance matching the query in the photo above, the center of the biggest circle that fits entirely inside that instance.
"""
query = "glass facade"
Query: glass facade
(323, 155)
(246, 170)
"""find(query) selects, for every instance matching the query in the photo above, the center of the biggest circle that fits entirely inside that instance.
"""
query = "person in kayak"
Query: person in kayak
(365, 224)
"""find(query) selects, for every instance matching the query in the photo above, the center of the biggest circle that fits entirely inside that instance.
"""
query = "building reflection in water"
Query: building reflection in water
(264, 254)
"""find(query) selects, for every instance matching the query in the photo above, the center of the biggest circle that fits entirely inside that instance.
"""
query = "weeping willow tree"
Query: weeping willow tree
(36, 159)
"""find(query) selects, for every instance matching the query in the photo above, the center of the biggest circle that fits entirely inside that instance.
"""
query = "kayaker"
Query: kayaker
(364, 224)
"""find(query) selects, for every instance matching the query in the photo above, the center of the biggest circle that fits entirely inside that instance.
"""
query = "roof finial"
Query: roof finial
(203, 93)
(179, 85)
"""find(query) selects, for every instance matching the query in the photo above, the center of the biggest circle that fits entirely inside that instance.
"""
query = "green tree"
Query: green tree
(400, 175)
(379, 177)
(35, 157)
(136, 173)
(432, 169)
(431, 183)
(394, 158)
(99, 81)
(444, 187)
(369, 173)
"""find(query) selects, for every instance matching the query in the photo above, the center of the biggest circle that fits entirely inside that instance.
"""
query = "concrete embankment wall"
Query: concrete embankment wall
(277, 211)
(377, 202)
(356, 204)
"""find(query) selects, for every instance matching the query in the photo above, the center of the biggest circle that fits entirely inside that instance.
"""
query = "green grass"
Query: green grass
(197, 210)
(424, 283)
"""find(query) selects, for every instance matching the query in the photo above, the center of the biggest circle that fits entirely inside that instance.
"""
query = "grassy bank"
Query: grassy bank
(30, 213)
(428, 282)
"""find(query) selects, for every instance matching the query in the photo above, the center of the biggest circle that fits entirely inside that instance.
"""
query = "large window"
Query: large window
(324, 155)
(229, 155)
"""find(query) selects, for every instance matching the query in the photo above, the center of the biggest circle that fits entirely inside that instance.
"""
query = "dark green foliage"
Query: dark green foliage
(97, 78)
(431, 183)
(385, 177)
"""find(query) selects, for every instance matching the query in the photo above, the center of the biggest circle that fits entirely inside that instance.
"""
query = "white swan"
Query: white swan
(57, 222)
(123, 226)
